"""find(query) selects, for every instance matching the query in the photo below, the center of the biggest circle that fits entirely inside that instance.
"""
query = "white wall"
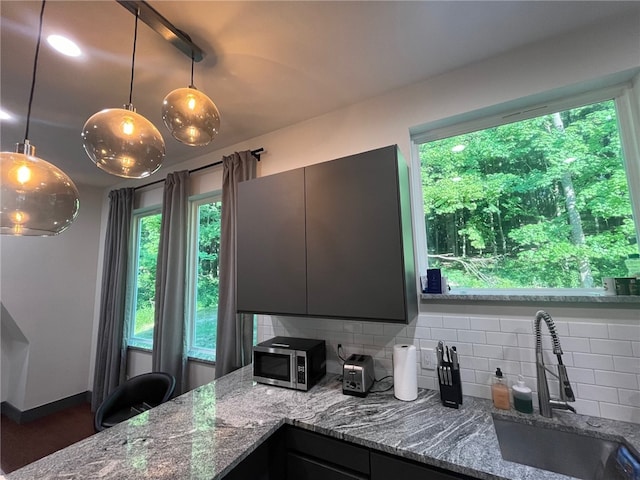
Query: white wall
(48, 287)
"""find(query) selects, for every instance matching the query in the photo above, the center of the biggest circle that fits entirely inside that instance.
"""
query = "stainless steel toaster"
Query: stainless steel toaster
(357, 375)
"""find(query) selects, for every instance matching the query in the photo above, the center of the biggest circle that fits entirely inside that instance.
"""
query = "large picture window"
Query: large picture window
(544, 202)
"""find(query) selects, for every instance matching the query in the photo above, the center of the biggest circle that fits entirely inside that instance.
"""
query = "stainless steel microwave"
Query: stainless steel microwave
(289, 362)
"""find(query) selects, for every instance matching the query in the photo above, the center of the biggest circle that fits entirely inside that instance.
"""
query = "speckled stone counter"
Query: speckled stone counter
(205, 433)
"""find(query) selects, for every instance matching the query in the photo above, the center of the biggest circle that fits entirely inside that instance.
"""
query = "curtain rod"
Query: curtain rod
(256, 153)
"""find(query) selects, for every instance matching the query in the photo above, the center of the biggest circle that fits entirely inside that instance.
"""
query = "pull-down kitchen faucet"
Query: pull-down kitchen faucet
(545, 402)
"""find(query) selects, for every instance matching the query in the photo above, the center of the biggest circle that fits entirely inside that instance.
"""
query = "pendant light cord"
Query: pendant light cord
(35, 69)
(133, 56)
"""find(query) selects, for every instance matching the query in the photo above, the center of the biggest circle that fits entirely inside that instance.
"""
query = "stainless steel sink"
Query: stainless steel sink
(568, 453)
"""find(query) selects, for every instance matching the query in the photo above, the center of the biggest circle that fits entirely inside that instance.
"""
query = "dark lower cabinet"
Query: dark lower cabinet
(297, 454)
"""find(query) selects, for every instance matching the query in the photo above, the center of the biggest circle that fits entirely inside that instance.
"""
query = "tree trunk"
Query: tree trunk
(575, 221)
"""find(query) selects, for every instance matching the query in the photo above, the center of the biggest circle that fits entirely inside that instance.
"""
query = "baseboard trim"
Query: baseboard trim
(32, 414)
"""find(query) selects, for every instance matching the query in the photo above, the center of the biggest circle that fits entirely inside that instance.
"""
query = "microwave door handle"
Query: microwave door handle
(293, 360)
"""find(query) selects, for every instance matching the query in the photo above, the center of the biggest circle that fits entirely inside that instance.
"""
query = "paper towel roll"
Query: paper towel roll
(405, 372)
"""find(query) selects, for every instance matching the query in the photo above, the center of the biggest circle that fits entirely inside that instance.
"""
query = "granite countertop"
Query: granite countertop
(205, 433)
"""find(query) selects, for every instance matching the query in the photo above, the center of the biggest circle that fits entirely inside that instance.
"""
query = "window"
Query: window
(146, 235)
(542, 202)
(204, 275)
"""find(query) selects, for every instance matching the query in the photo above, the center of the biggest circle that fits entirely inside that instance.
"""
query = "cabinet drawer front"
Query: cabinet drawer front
(328, 449)
(384, 467)
(303, 468)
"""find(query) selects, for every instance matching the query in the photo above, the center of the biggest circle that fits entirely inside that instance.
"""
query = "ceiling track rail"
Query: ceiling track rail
(164, 27)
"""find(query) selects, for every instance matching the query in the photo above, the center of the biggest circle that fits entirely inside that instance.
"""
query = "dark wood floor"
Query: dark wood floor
(28, 442)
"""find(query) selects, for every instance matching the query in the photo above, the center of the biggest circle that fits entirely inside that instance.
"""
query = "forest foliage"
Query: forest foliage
(537, 203)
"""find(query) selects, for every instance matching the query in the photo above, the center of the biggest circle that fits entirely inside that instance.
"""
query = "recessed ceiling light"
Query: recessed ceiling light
(64, 45)
(458, 148)
(5, 115)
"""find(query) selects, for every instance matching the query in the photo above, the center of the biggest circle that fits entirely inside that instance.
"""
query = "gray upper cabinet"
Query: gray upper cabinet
(271, 258)
(347, 240)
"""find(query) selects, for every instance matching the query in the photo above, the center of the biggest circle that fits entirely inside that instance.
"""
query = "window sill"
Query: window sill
(612, 301)
(193, 356)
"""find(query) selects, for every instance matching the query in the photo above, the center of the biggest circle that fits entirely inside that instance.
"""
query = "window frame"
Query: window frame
(132, 277)
(625, 97)
(195, 201)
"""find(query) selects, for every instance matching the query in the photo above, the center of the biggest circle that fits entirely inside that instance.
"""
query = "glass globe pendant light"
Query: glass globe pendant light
(191, 116)
(122, 142)
(36, 197)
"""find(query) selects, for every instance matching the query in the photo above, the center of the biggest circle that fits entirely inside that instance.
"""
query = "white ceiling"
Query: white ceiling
(267, 65)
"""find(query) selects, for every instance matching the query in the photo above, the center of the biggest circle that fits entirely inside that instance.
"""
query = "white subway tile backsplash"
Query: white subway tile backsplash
(629, 397)
(519, 354)
(475, 390)
(483, 378)
(516, 326)
(581, 375)
(587, 407)
(362, 339)
(353, 327)
(373, 328)
(464, 348)
(588, 360)
(467, 375)
(588, 330)
(526, 340)
(489, 351)
(624, 332)
(611, 347)
(509, 368)
(597, 392)
(529, 370)
(476, 363)
(484, 323)
(456, 322)
(505, 339)
(615, 379)
(429, 321)
(393, 329)
(472, 336)
(627, 364)
(620, 412)
(576, 344)
(562, 329)
(446, 334)
(603, 359)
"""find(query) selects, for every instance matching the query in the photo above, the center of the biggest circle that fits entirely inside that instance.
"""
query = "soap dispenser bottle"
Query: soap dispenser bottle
(522, 397)
(500, 392)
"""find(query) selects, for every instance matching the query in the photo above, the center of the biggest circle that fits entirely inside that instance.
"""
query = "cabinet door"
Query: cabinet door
(327, 450)
(354, 238)
(300, 467)
(384, 467)
(271, 244)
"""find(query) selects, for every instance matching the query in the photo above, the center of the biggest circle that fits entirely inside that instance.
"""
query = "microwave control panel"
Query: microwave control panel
(300, 360)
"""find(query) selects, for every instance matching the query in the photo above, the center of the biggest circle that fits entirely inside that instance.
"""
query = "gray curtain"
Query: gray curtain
(235, 331)
(169, 331)
(111, 350)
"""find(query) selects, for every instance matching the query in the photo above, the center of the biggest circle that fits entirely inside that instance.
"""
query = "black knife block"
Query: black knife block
(451, 395)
